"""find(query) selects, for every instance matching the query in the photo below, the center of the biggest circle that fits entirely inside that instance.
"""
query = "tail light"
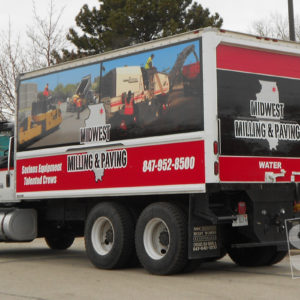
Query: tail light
(242, 208)
(216, 168)
(216, 148)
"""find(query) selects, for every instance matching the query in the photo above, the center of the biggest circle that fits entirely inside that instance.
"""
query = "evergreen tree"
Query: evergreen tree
(119, 23)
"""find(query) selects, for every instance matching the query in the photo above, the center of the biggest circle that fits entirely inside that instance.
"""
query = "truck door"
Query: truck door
(7, 193)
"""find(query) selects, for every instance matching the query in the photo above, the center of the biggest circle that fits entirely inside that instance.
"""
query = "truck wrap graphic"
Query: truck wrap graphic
(96, 129)
(258, 108)
(116, 99)
(266, 107)
(169, 164)
(97, 162)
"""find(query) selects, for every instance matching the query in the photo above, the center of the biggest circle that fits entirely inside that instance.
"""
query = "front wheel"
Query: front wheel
(109, 236)
(60, 240)
(161, 239)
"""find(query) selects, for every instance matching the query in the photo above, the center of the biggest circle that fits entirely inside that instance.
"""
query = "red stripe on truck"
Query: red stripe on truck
(257, 61)
(254, 169)
(156, 165)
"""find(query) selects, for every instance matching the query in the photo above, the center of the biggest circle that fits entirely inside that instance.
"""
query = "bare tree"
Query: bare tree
(46, 35)
(12, 63)
(276, 26)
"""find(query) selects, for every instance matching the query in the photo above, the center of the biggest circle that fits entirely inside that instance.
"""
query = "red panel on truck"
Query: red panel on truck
(259, 169)
(256, 61)
(158, 165)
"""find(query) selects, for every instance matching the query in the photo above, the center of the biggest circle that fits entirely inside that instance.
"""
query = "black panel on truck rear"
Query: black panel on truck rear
(259, 114)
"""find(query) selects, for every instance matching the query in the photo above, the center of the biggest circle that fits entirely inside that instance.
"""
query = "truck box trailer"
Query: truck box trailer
(174, 179)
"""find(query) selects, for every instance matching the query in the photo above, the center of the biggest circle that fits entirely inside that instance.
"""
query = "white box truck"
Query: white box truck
(183, 162)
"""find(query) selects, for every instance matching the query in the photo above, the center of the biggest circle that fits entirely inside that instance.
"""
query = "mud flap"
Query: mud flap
(203, 235)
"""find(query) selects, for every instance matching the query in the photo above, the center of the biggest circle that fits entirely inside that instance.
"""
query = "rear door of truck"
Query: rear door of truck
(258, 85)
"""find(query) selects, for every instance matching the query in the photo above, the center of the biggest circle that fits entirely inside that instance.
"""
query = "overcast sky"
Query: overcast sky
(238, 15)
(19, 12)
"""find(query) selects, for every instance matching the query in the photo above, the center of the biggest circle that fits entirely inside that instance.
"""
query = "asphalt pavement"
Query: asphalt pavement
(32, 271)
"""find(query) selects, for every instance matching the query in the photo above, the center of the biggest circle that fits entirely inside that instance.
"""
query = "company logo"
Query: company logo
(293, 239)
(95, 130)
(97, 162)
(267, 113)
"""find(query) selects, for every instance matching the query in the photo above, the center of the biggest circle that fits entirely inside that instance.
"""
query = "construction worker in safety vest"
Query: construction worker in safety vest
(128, 110)
(149, 72)
(46, 91)
(77, 102)
(149, 63)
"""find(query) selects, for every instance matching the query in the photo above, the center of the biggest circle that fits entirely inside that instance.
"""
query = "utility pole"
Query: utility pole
(291, 20)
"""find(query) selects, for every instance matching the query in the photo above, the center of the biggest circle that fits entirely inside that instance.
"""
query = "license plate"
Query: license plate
(241, 220)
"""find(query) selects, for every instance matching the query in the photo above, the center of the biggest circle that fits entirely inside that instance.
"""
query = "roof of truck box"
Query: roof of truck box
(157, 43)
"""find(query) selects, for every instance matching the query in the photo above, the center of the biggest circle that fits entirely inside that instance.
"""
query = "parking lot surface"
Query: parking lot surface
(32, 271)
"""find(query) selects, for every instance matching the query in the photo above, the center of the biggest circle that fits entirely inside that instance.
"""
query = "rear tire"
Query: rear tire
(161, 239)
(192, 265)
(256, 257)
(278, 257)
(109, 236)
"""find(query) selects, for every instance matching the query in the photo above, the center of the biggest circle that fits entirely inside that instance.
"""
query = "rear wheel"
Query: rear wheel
(255, 257)
(161, 239)
(277, 257)
(192, 265)
(109, 236)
